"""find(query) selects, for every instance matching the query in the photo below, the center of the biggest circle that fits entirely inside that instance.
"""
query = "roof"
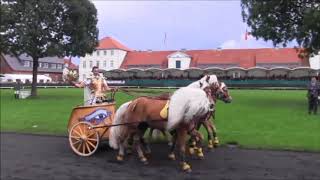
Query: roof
(110, 43)
(70, 64)
(278, 55)
(245, 58)
(16, 63)
(146, 58)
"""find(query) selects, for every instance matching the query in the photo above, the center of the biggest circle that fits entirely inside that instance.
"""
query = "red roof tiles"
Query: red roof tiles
(245, 58)
(110, 43)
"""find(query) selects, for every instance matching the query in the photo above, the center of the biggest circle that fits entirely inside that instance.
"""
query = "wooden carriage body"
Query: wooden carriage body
(88, 125)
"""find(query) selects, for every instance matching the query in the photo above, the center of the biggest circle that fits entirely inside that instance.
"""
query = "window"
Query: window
(104, 63)
(26, 63)
(45, 65)
(53, 66)
(59, 66)
(84, 64)
(105, 52)
(98, 64)
(98, 52)
(178, 64)
(111, 63)
(40, 65)
(90, 64)
(112, 52)
(84, 76)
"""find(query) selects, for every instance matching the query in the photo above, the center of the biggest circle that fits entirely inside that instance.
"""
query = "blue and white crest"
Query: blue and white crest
(98, 116)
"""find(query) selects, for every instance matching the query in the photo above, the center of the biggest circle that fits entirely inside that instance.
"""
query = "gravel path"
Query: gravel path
(50, 157)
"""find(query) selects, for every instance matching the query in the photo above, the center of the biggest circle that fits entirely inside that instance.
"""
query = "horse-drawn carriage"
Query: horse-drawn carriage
(88, 125)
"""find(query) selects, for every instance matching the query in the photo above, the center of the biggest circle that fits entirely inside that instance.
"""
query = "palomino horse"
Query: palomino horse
(147, 111)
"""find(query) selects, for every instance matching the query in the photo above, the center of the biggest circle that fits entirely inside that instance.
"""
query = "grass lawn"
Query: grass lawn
(274, 119)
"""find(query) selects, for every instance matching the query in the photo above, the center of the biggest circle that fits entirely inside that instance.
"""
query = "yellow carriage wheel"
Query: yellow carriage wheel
(83, 139)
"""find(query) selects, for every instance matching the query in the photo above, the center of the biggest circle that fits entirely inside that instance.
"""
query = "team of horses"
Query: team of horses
(180, 113)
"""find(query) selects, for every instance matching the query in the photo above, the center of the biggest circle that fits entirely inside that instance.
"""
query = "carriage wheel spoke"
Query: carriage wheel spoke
(91, 134)
(80, 130)
(92, 139)
(76, 142)
(76, 132)
(88, 147)
(91, 144)
(78, 148)
(84, 127)
(83, 148)
(75, 137)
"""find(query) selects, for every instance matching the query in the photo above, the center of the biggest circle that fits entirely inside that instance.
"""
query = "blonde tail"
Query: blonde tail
(116, 131)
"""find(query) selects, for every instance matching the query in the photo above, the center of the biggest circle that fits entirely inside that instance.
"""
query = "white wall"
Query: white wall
(113, 61)
(179, 56)
(315, 62)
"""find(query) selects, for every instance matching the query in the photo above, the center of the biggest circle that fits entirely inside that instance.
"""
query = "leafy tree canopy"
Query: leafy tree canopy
(282, 21)
(42, 28)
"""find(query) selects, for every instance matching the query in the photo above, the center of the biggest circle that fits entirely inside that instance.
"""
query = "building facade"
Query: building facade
(22, 65)
(112, 55)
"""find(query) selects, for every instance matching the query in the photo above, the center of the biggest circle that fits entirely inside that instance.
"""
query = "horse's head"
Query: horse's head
(218, 91)
(208, 80)
(222, 93)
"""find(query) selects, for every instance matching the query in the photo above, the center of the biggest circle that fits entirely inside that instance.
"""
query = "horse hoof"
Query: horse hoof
(172, 157)
(119, 158)
(186, 167)
(191, 150)
(216, 142)
(144, 160)
(210, 146)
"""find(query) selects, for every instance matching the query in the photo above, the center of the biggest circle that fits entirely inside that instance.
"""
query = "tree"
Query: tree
(48, 28)
(282, 21)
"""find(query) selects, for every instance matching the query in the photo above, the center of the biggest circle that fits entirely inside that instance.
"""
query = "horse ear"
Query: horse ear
(207, 78)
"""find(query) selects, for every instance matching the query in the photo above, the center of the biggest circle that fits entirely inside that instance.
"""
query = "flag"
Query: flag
(246, 35)
(165, 38)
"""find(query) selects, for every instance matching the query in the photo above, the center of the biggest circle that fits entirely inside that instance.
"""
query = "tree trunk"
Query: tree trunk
(34, 76)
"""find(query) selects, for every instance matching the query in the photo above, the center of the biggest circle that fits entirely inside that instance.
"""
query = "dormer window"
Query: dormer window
(178, 64)
(26, 64)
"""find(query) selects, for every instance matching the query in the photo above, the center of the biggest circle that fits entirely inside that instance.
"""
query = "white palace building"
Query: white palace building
(111, 55)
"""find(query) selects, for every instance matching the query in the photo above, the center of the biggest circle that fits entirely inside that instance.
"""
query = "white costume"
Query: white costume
(93, 89)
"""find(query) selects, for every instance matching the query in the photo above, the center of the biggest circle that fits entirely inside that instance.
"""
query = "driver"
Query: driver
(96, 86)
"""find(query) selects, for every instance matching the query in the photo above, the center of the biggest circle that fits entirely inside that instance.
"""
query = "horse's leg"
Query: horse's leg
(120, 155)
(181, 141)
(214, 131)
(192, 141)
(144, 143)
(171, 155)
(209, 128)
(137, 144)
(198, 139)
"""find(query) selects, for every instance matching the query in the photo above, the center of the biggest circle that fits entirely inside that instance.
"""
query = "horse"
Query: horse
(147, 111)
(204, 82)
(213, 141)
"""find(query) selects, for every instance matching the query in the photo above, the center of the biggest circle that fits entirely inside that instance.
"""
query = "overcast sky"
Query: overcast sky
(167, 25)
